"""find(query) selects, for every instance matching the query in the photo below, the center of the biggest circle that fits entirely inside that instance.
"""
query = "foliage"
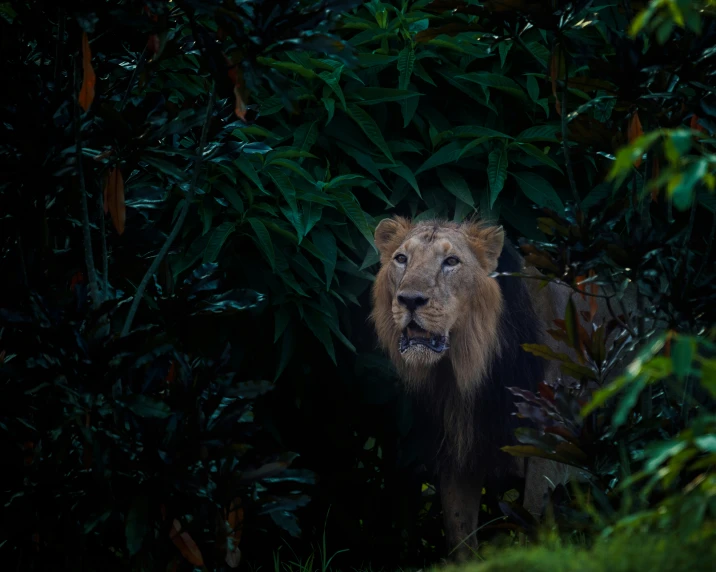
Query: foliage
(622, 553)
(628, 243)
(439, 108)
(135, 449)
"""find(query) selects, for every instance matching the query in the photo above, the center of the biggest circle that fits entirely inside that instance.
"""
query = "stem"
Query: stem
(137, 68)
(180, 220)
(23, 267)
(646, 395)
(105, 257)
(95, 294)
(565, 140)
(58, 50)
(683, 259)
(707, 254)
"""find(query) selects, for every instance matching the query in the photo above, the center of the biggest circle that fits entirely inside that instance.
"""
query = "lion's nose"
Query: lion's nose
(412, 300)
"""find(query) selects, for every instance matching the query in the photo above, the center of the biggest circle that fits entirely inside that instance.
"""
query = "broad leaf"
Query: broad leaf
(538, 190)
(496, 172)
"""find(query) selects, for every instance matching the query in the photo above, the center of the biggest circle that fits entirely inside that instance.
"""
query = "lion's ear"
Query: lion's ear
(389, 234)
(487, 243)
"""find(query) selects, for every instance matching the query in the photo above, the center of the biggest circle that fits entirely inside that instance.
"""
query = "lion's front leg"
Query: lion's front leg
(461, 496)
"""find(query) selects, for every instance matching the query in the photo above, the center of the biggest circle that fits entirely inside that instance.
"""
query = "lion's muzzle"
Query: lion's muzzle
(414, 335)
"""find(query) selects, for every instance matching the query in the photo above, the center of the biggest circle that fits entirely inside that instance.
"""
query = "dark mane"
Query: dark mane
(494, 420)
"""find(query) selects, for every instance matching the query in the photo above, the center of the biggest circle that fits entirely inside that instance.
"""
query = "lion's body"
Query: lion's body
(454, 335)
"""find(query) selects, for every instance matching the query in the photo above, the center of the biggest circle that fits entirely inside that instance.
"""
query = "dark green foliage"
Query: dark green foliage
(441, 108)
(624, 553)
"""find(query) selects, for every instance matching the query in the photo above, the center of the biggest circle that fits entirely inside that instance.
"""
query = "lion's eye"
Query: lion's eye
(451, 261)
(401, 259)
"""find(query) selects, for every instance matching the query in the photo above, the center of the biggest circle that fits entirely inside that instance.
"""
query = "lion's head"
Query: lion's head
(434, 299)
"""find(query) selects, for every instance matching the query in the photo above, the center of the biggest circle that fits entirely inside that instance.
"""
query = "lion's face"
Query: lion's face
(434, 298)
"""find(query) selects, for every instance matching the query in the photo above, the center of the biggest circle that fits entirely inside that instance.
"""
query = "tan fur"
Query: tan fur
(464, 302)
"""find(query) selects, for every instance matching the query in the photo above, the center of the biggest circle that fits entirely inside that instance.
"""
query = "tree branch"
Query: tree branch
(94, 291)
(180, 221)
(565, 139)
(105, 256)
(140, 64)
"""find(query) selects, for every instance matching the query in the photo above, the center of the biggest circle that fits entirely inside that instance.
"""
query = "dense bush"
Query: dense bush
(619, 554)
(267, 148)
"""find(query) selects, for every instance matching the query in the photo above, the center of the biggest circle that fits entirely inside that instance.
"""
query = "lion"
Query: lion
(454, 333)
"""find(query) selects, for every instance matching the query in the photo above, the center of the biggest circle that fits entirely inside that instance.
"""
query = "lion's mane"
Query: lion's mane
(468, 402)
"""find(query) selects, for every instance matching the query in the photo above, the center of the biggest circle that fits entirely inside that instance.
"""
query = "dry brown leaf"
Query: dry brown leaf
(556, 71)
(634, 131)
(695, 125)
(89, 79)
(240, 107)
(114, 198)
(186, 545)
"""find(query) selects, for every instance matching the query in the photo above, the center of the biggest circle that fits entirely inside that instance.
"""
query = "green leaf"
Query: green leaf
(496, 172)
(495, 81)
(372, 257)
(682, 187)
(350, 180)
(291, 166)
(472, 131)
(462, 209)
(352, 209)
(230, 194)
(330, 105)
(406, 63)
(311, 215)
(303, 264)
(304, 138)
(263, 239)
(287, 66)
(540, 53)
(446, 154)
(287, 347)
(326, 243)
(217, 239)
(532, 88)
(681, 356)
(533, 151)
(375, 95)
(628, 401)
(7, 12)
(539, 190)
(634, 369)
(504, 48)
(316, 322)
(370, 128)
(405, 172)
(472, 145)
(454, 183)
(281, 318)
(364, 160)
(540, 133)
(596, 196)
(285, 187)
(245, 166)
(147, 407)
(166, 167)
(137, 525)
(332, 80)
(408, 107)
(296, 220)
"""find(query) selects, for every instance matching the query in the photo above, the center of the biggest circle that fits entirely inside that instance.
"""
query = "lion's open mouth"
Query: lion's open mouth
(414, 335)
